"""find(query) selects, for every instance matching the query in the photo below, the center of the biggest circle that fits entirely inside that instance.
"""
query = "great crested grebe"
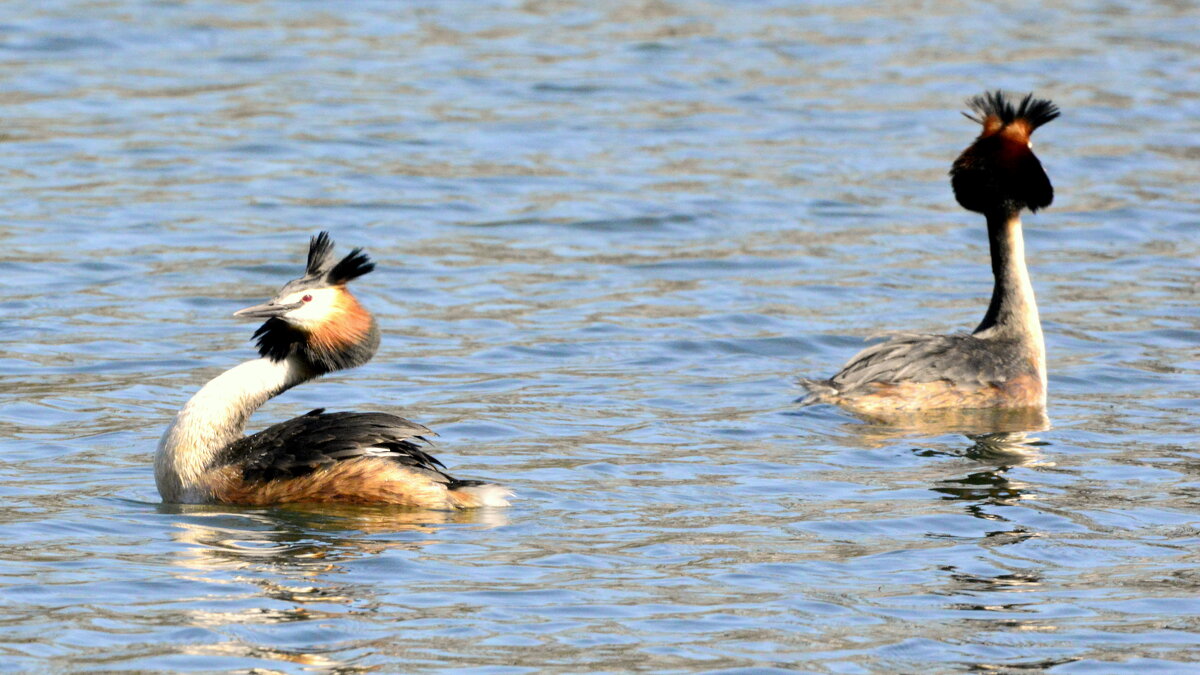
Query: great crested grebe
(1002, 364)
(314, 326)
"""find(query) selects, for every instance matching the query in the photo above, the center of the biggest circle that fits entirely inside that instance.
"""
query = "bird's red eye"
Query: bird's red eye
(307, 298)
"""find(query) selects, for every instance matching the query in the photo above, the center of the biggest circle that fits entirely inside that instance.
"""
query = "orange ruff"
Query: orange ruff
(348, 322)
(1020, 392)
(366, 480)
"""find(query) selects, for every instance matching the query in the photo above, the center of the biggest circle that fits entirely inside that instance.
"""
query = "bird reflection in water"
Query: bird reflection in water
(292, 536)
(984, 493)
(994, 427)
(996, 442)
(1000, 439)
(285, 564)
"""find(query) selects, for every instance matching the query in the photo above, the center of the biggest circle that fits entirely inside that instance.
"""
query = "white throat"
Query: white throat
(1013, 311)
(215, 417)
(1024, 305)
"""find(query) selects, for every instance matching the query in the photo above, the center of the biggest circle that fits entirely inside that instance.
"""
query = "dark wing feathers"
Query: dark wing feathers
(303, 444)
(958, 358)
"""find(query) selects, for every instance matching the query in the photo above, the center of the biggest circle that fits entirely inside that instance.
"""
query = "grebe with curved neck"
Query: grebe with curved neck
(313, 326)
(1002, 364)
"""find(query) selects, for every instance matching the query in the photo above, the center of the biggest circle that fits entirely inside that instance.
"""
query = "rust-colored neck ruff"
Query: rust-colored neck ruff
(348, 324)
(346, 337)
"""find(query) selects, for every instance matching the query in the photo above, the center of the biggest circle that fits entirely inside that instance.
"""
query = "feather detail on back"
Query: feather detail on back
(304, 444)
(960, 365)
(343, 457)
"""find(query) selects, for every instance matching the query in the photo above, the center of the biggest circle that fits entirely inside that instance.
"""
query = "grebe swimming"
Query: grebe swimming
(314, 326)
(1002, 364)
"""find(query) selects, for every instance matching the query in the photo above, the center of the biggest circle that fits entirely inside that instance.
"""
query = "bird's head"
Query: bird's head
(315, 317)
(999, 173)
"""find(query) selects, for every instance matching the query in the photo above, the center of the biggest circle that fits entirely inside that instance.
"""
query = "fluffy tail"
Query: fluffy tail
(473, 494)
(819, 391)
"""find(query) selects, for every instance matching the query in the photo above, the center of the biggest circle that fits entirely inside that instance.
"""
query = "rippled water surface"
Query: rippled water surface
(609, 235)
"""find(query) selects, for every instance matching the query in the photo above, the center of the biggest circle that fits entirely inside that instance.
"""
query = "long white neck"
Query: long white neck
(1013, 312)
(213, 418)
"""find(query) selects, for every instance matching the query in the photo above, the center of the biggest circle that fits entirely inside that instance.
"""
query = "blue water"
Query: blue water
(609, 237)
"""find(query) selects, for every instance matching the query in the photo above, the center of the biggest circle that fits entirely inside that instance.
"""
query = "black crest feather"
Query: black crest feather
(352, 266)
(321, 268)
(320, 249)
(1035, 111)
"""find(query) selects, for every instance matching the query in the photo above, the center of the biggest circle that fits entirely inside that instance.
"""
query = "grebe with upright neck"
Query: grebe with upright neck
(313, 326)
(1002, 364)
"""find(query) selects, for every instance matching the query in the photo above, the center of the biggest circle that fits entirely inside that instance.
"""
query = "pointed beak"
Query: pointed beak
(266, 310)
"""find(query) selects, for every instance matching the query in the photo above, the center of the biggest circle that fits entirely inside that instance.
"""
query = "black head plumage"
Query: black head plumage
(998, 173)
